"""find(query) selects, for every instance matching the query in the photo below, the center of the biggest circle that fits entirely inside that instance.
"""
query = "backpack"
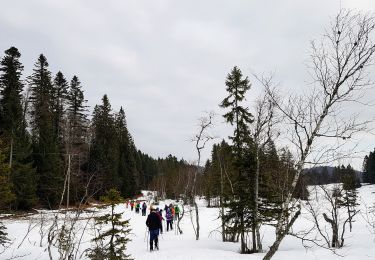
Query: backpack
(169, 215)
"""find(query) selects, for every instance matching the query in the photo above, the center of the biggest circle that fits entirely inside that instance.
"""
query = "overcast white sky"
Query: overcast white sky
(166, 61)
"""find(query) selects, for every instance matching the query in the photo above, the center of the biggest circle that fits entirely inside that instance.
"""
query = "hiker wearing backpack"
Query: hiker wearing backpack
(144, 207)
(154, 224)
(172, 210)
(176, 212)
(169, 217)
(160, 213)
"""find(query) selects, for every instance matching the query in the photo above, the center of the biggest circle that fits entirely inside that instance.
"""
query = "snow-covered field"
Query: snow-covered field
(359, 244)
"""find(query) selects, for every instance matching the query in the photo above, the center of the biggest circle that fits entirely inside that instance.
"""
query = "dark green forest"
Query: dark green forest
(53, 152)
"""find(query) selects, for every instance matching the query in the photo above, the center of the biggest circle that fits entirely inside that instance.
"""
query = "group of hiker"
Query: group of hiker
(137, 206)
(154, 222)
(155, 219)
(171, 213)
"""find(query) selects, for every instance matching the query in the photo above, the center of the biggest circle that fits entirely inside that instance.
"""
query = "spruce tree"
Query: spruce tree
(241, 207)
(59, 95)
(272, 183)
(127, 170)
(350, 193)
(220, 177)
(24, 179)
(112, 242)
(238, 116)
(13, 130)
(3, 235)
(226, 159)
(207, 173)
(47, 156)
(104, 148)
(11, 95)
(76, 113)
(76, 134)
(220, 171)
(215, 172)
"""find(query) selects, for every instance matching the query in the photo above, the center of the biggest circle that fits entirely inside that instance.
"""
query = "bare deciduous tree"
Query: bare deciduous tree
(263, 132)
(200, 140)
(64, 233)
(334, 214)
(339, 68)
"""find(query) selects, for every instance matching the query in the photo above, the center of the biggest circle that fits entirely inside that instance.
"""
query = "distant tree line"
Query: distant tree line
(326, 175)
(173, 178)
(369, 168)
(51, 153)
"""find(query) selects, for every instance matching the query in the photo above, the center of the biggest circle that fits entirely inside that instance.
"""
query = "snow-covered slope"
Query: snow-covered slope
(359, 244)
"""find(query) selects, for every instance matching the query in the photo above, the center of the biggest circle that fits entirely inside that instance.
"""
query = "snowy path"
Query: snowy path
(360, 244)
(184, 246)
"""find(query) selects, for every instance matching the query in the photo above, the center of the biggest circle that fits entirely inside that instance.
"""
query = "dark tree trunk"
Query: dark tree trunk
(335, 231)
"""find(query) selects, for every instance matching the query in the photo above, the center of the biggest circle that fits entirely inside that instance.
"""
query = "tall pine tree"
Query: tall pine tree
(104, 148)
(13, 130)
(76, 136)
(77, 116)
(59, 95)
(47, 156)
(241, 206)
(127, 170)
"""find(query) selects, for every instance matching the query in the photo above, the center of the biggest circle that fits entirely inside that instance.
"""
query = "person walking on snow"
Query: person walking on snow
(160, 213)
(169, 218)
(132, 205)
(172, 210)
(153, 223)
(144, 207)
(137, 207)
(176, 212)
